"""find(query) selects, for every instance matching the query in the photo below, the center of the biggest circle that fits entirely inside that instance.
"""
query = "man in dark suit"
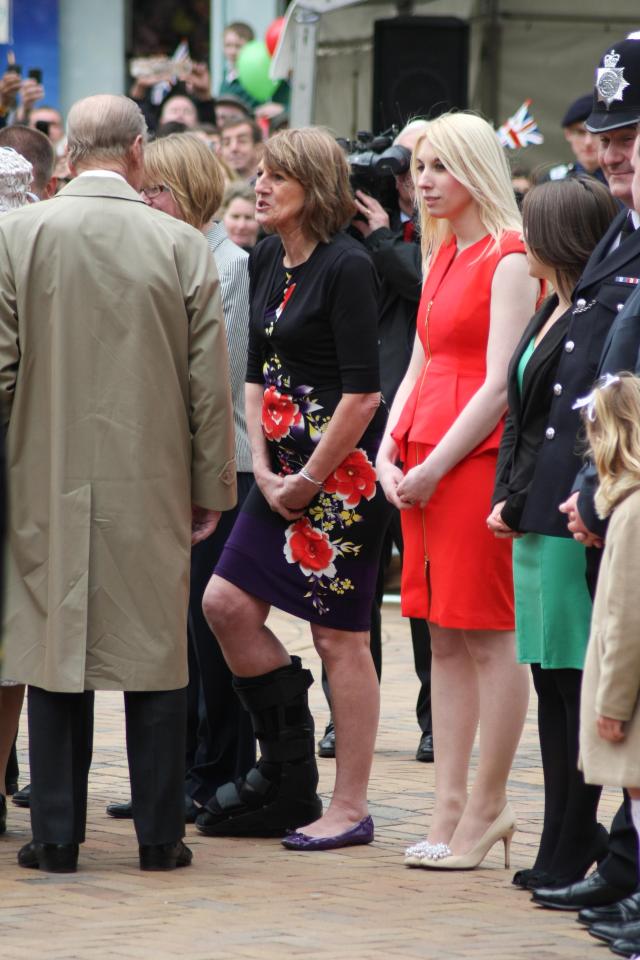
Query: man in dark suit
(610, 278)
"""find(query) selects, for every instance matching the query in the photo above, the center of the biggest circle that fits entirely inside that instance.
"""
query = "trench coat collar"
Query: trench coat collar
(99, 187)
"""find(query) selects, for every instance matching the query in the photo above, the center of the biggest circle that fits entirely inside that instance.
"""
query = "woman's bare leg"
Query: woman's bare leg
(355, 707)
(455, 710)
(238, 621)
(11, 699)
(503, 685)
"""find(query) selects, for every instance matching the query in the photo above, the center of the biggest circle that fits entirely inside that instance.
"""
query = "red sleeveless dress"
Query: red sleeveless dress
(455, 573)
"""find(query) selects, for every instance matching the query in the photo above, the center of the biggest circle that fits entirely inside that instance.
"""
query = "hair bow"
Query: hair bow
(590, 400)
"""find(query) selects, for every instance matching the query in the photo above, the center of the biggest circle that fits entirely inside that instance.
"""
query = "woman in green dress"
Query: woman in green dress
(563, 221)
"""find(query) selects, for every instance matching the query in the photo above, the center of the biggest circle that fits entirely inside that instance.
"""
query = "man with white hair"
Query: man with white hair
(120, 452)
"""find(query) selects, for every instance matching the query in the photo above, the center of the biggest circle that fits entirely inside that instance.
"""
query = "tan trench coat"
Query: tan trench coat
(114, 377)
(611, 681)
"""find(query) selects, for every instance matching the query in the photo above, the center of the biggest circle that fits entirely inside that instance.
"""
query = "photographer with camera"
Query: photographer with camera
(385, 224)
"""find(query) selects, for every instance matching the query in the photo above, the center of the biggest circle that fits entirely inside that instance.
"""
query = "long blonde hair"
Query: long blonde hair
(469, 149)
(612, 420)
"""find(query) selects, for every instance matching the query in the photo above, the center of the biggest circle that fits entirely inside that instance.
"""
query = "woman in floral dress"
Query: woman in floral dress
(308, 537)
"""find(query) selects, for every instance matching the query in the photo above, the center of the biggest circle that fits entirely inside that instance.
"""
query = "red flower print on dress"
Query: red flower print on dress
(310, 548)
(353, 479)
(288, 293)
(279, 414)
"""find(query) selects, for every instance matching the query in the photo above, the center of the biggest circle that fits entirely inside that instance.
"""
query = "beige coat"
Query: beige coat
(114, 376)
(611, 682)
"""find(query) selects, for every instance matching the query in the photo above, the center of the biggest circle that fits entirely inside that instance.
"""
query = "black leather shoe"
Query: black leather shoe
(120, 811)
(531, 879)
(424, 753)
(3, 814)
(22, 798)
(625, 948)
(327, 746)
(624, 911)
(12, 787)
(52, 857)
(124, 811)
(616, 931)
(165, 856)
(594, 891)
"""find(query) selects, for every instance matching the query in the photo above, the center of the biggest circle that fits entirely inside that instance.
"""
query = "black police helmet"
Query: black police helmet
(616, 94)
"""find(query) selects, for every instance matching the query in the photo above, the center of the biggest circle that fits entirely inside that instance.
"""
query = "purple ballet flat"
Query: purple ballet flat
(360, 834)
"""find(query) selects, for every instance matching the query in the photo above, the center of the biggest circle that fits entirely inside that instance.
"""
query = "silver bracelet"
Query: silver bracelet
(307, 476)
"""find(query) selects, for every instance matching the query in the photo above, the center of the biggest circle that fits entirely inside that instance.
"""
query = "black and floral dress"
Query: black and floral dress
(313, 337)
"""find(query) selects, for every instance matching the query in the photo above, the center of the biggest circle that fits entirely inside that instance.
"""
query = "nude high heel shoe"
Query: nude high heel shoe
(439, 857)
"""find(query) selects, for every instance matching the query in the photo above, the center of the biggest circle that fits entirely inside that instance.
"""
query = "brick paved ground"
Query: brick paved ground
(252, 900)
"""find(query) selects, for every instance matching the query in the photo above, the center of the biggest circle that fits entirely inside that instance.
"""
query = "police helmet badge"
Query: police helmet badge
(610, 81)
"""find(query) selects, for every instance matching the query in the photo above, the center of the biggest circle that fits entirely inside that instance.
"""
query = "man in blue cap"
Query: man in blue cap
(583, 143)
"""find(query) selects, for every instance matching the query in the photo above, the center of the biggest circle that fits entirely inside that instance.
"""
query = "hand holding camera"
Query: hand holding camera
(31, 91)
(371, 214)
(198, 82)
(10, 84)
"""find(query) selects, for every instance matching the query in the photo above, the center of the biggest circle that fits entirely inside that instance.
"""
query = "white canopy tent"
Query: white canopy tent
(545, 51)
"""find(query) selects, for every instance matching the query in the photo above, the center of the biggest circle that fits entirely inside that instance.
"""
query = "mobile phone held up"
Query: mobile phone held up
(35, 74)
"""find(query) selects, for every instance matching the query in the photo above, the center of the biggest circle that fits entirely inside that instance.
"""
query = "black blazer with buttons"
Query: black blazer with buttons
(600, 294)
(528, 411)
(621, 352)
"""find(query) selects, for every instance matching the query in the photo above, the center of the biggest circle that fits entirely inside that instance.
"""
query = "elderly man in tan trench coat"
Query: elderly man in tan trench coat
(114, 378)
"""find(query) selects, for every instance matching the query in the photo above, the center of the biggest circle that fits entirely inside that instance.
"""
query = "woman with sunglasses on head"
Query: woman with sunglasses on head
(185, 179)
(563, 222)
(444, 427)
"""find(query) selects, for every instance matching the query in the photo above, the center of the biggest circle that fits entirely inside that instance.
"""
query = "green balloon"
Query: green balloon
(253, 70)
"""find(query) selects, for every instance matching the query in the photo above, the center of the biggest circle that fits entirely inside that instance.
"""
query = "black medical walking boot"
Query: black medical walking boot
(279, 793)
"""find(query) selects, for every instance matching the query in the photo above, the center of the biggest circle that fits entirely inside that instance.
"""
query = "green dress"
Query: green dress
(553, 607)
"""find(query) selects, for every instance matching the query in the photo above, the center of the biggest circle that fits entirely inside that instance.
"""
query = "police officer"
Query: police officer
(583, 143)
(610, 277)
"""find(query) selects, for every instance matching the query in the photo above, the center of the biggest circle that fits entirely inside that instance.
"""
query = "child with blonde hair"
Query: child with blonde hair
(609, 714)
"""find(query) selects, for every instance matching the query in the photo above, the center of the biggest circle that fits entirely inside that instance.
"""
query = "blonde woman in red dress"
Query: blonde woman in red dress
(437, 464)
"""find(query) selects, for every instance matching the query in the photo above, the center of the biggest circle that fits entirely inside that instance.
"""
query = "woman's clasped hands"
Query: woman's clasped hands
(415, 488)
(286, 495)
(497, 525)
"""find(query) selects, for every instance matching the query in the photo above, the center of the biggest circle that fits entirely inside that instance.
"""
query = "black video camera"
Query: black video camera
(373, 162)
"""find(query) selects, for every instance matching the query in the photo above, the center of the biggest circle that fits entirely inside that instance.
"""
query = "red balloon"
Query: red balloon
(272, 35)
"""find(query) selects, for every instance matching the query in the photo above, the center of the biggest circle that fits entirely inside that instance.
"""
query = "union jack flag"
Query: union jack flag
(520, 130)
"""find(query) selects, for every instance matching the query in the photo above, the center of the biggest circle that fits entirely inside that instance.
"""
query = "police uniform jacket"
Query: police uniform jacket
(620, 353)
(606, 284)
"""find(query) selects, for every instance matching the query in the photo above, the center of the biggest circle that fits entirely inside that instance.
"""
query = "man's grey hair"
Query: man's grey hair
(103, 128)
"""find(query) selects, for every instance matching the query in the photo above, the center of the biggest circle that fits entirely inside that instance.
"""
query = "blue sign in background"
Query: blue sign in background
(35, 42)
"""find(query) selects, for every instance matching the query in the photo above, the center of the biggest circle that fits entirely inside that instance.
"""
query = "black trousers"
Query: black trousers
(570, 831)
(221, 744)
(60, 751)
(621, 865)
(420, 637)
(13, 770)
